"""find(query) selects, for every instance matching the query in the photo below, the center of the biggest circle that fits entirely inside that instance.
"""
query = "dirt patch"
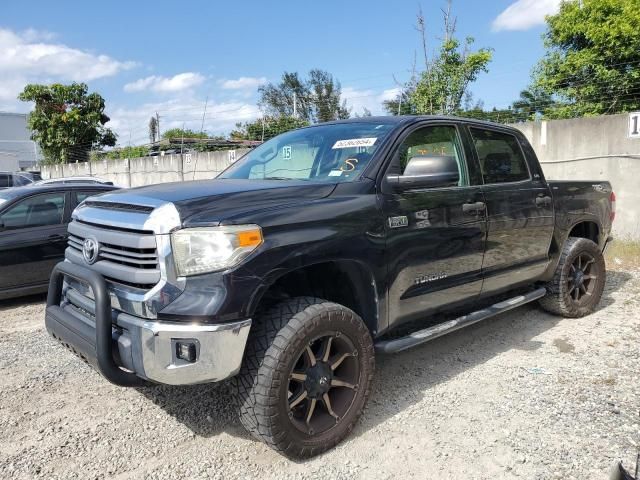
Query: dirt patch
(563, 345)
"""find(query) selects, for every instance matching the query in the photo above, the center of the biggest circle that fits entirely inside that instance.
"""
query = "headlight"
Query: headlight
(207, 249)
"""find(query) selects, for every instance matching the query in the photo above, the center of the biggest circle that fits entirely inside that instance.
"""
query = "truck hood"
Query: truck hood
(207, 202)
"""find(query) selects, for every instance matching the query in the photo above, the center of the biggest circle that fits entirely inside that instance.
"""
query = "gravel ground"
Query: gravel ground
(524, 394)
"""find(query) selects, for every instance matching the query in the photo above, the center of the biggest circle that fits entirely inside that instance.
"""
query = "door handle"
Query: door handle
(473, 208)
(57, 237)
(543, 201)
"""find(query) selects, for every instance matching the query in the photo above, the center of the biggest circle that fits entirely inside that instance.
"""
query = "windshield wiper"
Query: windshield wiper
(282, 178)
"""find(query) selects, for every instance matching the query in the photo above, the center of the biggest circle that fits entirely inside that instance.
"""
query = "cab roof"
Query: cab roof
(409, 119)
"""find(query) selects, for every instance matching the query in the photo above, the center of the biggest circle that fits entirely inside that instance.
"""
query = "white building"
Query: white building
(17, 150)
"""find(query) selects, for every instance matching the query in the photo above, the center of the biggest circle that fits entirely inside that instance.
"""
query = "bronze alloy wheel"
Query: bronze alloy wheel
(306, 375)
(323, 383)
(578, 282)
(582, 277)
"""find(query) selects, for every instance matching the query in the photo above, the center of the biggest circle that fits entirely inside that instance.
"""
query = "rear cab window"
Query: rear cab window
(500, 156)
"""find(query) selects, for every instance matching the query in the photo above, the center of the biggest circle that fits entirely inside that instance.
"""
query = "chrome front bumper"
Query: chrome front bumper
(127, 349)
(219, 350)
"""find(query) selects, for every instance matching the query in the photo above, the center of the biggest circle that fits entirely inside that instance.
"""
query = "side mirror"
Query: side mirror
(427, 171)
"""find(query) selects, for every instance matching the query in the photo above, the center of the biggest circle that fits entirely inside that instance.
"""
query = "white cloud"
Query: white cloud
(177, 83)
(23, 56)
(525, 14)
(358, 100)
(243, 83)
(31, 56)
(389, 94)
(132, 122)
(370, 99)
(31, 35)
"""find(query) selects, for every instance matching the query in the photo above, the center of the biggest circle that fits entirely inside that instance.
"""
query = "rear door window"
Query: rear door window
(501, 158)
(83, 195)
(5, 180)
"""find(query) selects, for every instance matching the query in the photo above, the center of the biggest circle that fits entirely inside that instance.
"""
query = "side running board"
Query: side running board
(422, 336)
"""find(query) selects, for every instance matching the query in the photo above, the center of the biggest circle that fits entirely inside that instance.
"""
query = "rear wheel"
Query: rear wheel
(578, 283)
(306, 376)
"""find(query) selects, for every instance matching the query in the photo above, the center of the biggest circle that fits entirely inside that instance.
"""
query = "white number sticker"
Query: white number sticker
(634, 125)
(354, 142)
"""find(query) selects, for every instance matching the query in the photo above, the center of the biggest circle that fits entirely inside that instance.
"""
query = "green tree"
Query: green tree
(266, 128)
(128, 152)
(324, 97)
(178, 133)
(533, 103)
(67, 122)
(315, 99)
(441, 88)
(530, 105)
(291, 94)
(592, 63)
(402, 104)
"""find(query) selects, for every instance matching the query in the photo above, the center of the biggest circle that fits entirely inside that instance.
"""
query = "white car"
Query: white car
(11, 179)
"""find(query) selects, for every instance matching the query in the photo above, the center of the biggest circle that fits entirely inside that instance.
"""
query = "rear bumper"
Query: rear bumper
(128, 350)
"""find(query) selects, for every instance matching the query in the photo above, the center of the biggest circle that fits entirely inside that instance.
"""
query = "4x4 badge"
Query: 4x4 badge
(397, 222)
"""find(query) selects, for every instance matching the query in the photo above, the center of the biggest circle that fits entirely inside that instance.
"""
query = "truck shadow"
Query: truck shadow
(401, 380)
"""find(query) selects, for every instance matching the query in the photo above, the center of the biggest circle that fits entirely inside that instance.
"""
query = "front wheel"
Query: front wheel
(578, 282)
(306, 376)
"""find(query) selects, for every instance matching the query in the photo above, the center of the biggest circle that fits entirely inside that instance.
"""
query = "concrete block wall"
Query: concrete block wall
(137, 172)
(597, 148)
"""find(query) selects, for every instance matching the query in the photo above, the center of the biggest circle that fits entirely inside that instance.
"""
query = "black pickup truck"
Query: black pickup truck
(317, 249)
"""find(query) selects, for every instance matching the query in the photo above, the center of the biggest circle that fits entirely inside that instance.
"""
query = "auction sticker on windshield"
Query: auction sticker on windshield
(354, 142)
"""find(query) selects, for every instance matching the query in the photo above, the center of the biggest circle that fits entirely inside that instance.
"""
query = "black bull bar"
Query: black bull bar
(95, 344)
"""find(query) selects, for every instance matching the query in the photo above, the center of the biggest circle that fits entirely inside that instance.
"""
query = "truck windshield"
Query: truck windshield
(325, 153)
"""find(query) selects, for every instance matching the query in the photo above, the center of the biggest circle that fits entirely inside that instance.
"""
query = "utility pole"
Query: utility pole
(158, 125)
(181, 155)
(400, 102)
(182, 142)
(295, 105)
(203, 114)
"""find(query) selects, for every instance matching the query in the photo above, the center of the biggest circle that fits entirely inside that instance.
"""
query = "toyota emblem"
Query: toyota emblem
(90, 249)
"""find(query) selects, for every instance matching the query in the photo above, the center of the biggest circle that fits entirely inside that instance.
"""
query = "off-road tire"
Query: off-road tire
(558, 299)
(262, 390)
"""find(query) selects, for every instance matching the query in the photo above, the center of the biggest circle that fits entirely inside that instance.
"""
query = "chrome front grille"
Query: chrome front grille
(125, 256)
(134, 257)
